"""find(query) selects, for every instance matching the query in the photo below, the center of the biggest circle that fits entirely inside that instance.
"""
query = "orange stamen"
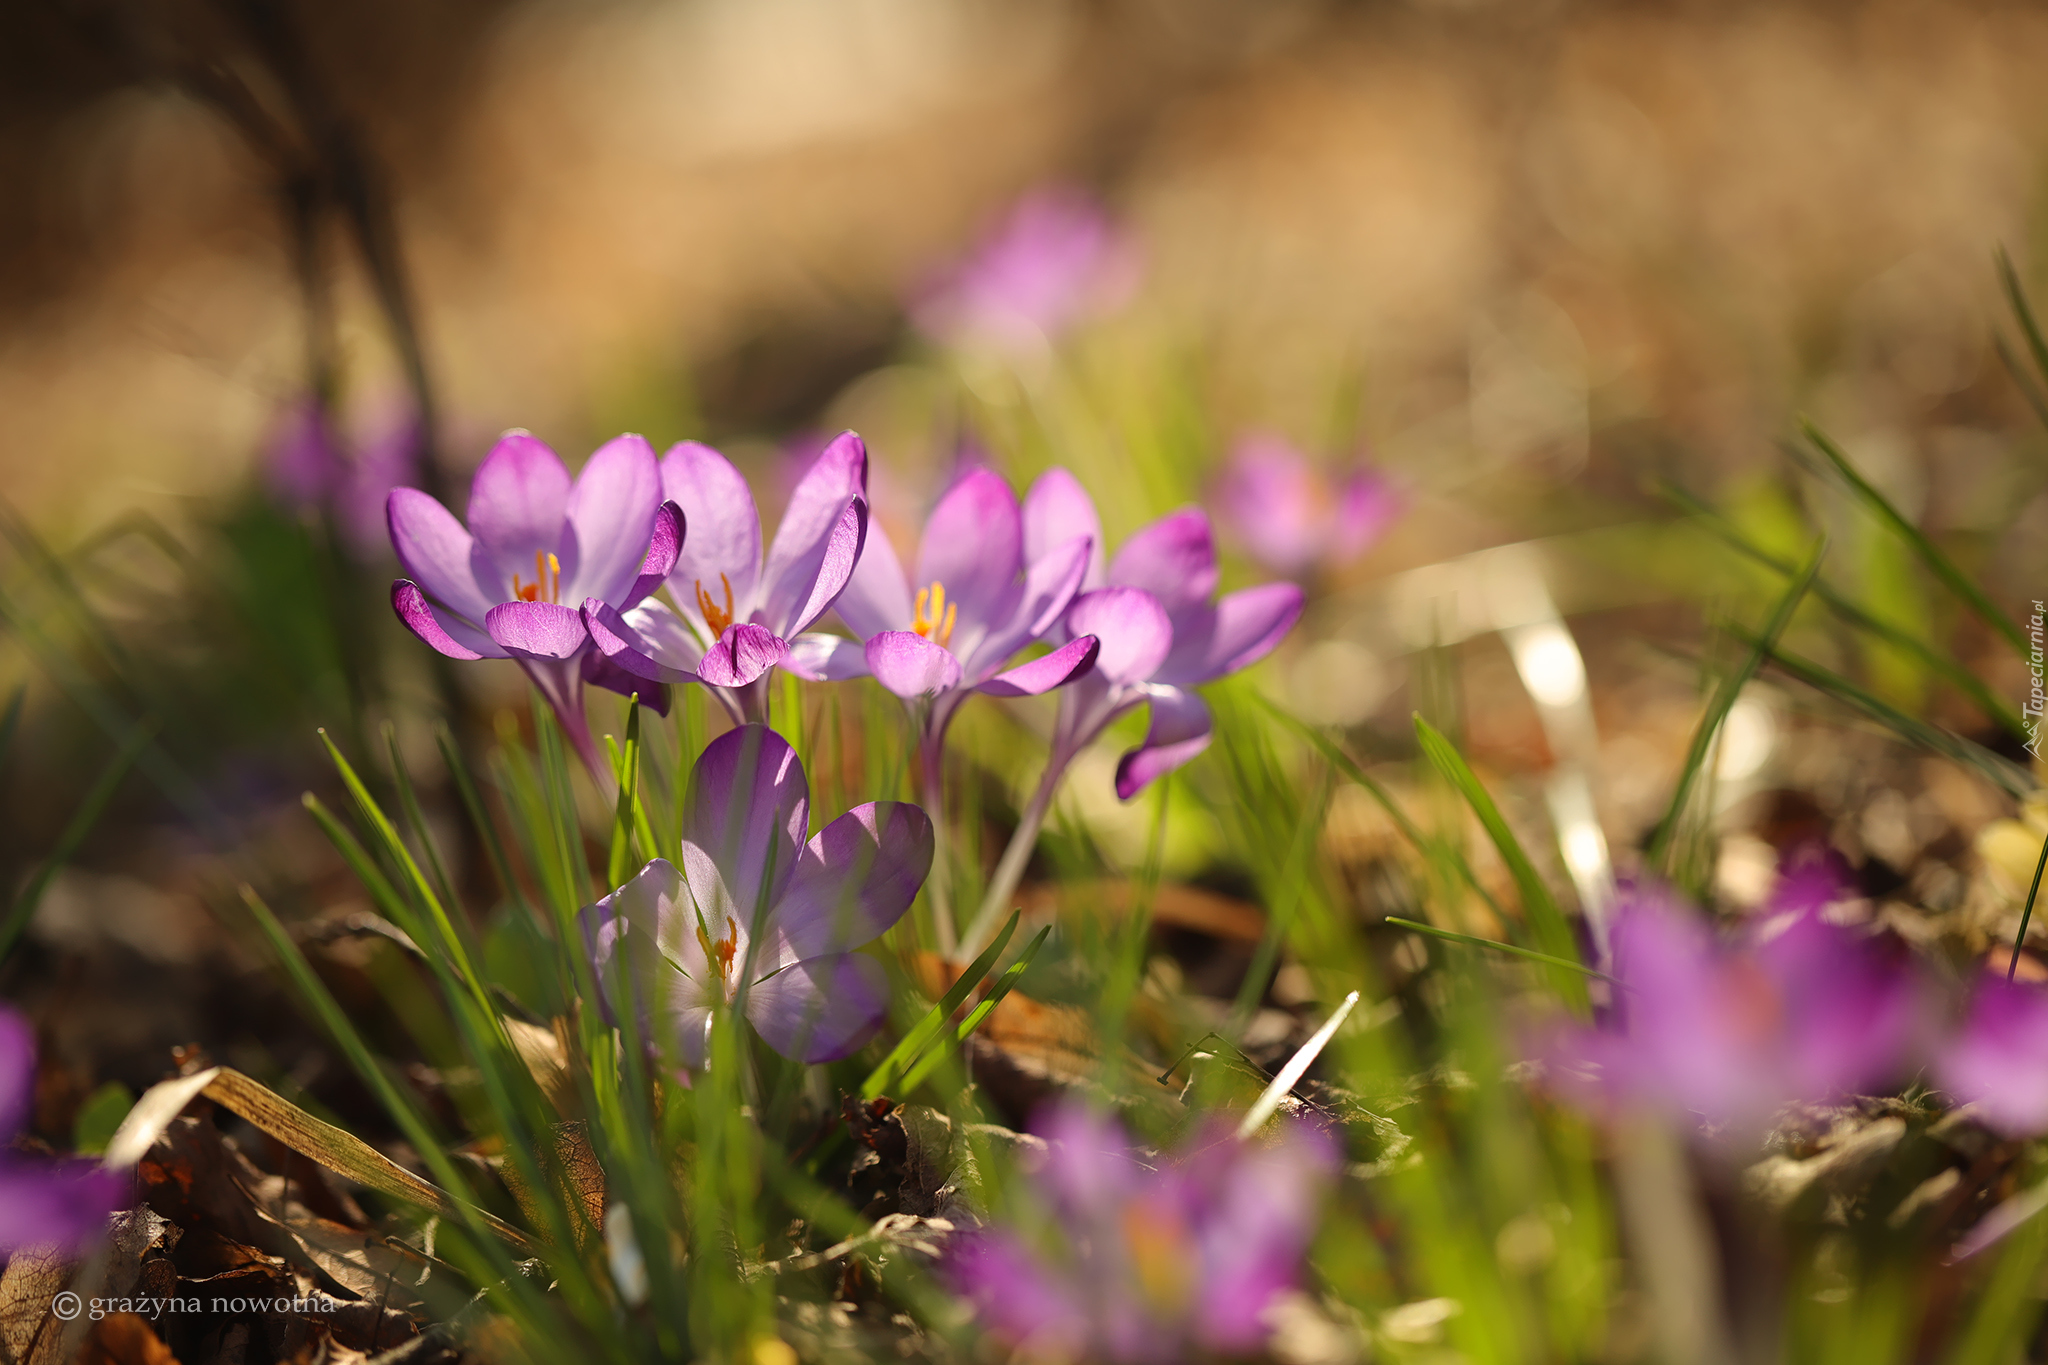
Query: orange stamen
(936, 624)
(716, 618)
(547, 584)
(721, 953)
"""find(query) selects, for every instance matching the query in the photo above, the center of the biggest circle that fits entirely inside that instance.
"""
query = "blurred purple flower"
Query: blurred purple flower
(757, 918)
(310, 466)
(1153, 1265)
(44, 1201)
(1998, 1060)
(738, 616)
(1055, 261)
(537, 544)
(1283, 511)
(1733, 1031)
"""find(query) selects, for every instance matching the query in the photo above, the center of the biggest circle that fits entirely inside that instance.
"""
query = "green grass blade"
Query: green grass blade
(2028, 913)
(967, 1026)
(75, 830)
(1929, 554)
(1473, 941)
(1962, 679)
(2022, 311)
(415, 820)
(1724, 700)
(927, 1028)
(1546, 920)
(2002, 772)
(479, 817)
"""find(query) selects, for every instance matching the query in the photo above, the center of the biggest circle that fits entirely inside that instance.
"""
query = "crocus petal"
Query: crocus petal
(517, 507)
(835, 565)
(1242, 628)
(598, 671)
(1179, 730)
(816, 506)
(973, 544)
(822, 1008)
(725, 529)
(664, 547)
(1056, 669)
(610, 511)
(1133, 627)
(649, 642)
(856, 878)
(742, 654)
(911, 666)
(1049, 586)
(817, 657)
(1367, 505)
(877, 596)
(1018, 1295)
(1999, 1060)
(1058, 510)
(436, 552)
(456, 639)
(1173, 558)
(537, 630)
(748, 808)
(17, 1071)
(1268, 499)
(636, 940)
(60, 1202)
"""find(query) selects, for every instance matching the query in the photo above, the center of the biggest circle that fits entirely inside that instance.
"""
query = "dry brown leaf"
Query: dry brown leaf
(580, 1181)
(29, 1333)
(124, 1339)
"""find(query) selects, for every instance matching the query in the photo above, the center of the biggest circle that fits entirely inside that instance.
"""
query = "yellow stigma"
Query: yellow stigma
(1157, 1241)
(936, 624)
(720, 954)
(547, 580)
(716, 618)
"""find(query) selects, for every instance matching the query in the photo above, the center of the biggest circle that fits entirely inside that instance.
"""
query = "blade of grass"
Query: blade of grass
(1724, 700)
(967, 1026)
(2001, 771)
(472, 801)
(75, 830)
(1297, 1067)
(2016, 295)
(1546, 920)
(1964, 681)
(1929, 554)
(920, 1036)
(416, 822)
(2028, 913)
(1517, 950)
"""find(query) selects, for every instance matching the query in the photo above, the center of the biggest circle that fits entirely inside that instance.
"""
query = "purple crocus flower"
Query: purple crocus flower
(736, 614)
(756, 919)
(538, 545)
(1055, 261)
(1998, 1060)
(1733, 1031)
(1154, 1263)
(43, 1202)
(1285, 514)
(310, 465)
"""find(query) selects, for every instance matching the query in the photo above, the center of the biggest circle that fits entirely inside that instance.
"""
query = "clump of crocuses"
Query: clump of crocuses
(1144, 1258)
(538, 546)
(1053, 262)
(44, 1201)
(1730, 1030)
(1290, 516)
(752, 917)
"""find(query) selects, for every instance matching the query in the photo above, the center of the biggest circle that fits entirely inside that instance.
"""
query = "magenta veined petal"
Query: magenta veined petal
(1179, 731)
(664, 547)
(539, 630)
(855, 879)
(796, 557)
(817, 657)
(973, 544)
(822, 1008)
(651, 642)
(1049, 586)
(1173, 558)
(1242, 628)
(435, 552)
(518, 504)
(841, 552)
(1057, 510)
(911, 666)
(440, 631)
(725, 528)
(1134, 629)
(611, 511)
(741, 655)
(748, 808)
(599, 671)
(1043, 674)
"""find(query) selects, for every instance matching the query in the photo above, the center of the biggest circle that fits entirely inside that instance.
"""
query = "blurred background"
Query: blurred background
(1519, 260)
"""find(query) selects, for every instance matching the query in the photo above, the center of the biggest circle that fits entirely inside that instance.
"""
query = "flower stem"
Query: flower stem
(931, 753)
(1016, 853)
